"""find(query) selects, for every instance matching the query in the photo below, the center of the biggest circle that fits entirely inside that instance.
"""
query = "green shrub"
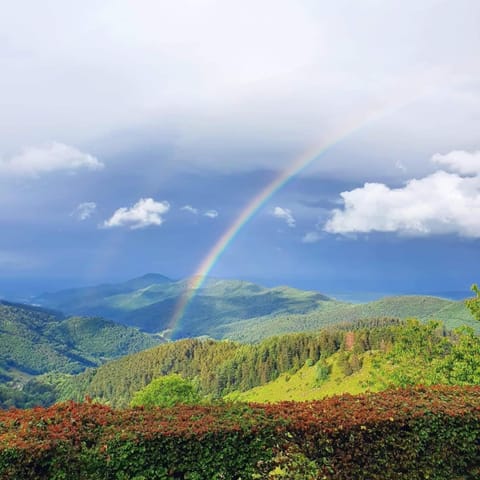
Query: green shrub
(166, 391)
(322, 372)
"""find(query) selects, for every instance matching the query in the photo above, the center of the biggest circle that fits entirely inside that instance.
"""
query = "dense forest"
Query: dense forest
(35, 341)
(385, 351)
(397, 353)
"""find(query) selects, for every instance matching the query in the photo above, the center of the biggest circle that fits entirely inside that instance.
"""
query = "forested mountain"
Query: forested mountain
(83, 300)
(452, 313)
(366, 355)
(239, 310)
(149, 302)
(34, 341)
(218, 367)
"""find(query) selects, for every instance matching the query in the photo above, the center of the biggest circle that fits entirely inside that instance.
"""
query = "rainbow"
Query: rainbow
(331, 139)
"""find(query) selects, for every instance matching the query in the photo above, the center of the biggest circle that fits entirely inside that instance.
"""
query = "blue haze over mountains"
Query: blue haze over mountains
(238, 309)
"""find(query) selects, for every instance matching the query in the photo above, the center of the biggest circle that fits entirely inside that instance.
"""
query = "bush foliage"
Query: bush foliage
(166, 391)
(402, 434)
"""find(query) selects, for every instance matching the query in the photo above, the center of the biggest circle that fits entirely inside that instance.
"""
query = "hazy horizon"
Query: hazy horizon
(22, 291)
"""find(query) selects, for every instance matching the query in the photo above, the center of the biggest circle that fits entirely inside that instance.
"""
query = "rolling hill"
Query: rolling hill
(35, 340)
(364, 355)
(303, 384)
(148, 303)
(239, 310)
(452, 313)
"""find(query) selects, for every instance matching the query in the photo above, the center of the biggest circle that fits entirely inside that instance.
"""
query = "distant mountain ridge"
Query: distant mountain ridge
(238, 310)
(149, 302)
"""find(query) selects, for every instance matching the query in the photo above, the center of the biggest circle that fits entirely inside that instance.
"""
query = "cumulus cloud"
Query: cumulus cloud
(440, 203)
(460, 161)
(144, 213)
(84, 210)
(189, 208)
(211, 214)
(48, 158)
(286, 215)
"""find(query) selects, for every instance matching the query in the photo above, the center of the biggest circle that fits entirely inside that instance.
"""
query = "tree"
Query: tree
(166, 391)
(473, 304)
(462, 365)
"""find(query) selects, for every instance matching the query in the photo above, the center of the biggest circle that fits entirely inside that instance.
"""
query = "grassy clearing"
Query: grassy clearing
(303, 384)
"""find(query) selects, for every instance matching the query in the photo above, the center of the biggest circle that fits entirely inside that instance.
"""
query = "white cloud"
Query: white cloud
(460, 161)
(48, 158)
(84, 210)
(211, 214)
(440, 203)
(189, 208)
(144, 213)
(284, 214)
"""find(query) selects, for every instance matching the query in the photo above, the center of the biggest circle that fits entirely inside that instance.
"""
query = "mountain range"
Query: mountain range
(69, 331)
(236, 309)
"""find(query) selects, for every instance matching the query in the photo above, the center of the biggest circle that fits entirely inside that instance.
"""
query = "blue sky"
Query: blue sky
(134, 133)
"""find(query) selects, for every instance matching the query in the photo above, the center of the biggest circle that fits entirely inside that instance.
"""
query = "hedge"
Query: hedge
(400, 434)
(405, 434)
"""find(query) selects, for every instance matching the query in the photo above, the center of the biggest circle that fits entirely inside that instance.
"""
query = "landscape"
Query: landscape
(228, 374)
(240, 240)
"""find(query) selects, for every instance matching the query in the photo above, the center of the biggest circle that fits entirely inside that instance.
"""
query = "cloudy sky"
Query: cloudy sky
(134, 133)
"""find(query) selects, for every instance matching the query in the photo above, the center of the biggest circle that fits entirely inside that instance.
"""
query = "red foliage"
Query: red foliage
(335, 432)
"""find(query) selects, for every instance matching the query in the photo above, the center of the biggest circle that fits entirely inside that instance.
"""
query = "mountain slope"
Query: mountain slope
(83, 300)
(150, 301)
(35, 340)
(364, 355)
(303, 385)
(452, 313)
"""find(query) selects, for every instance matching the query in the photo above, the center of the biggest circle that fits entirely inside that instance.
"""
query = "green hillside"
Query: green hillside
(452, 313)
(34, 341)
(365, 355)
(303, 385)
(218, 367)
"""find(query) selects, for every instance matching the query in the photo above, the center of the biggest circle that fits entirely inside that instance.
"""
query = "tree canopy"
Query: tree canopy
(166, 391)
(473, 304)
